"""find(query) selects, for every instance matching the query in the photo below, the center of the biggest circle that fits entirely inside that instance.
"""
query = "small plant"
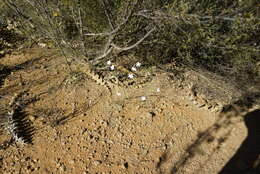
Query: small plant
(19, 127)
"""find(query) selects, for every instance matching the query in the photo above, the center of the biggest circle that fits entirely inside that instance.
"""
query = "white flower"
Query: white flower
(143, 98)
(118, 94)
(43, 45)
(133, 68)
(112, 67)
(138, 64)
(130, 76)
(109, 62)
(158, 90)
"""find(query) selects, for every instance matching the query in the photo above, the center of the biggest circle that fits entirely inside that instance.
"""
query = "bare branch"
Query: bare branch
(110, 46)
(115, 30)
(134, 45)
(153, 15)
(112, 32)
(104, 54)
(107, 49)
(106, 33)
(81, 30)
(108, 15)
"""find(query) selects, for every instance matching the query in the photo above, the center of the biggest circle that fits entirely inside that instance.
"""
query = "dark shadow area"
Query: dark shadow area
(6, 71)
(9, 40)
(69, 117)
(246, 159)
(204, 137)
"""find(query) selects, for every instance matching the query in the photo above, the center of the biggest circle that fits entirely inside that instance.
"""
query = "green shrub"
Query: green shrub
(9, 38)
(221, 36)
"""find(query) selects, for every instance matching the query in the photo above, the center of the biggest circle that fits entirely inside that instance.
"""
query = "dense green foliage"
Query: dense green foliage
(221, 36)
(8, 37)
(218, 32)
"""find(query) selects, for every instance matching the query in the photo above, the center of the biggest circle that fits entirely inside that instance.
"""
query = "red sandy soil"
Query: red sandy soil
(81, 129)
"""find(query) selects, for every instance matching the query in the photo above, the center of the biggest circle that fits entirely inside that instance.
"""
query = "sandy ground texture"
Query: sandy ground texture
(80, 128)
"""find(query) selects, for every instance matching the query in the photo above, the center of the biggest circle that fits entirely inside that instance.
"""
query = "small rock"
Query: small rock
(97, 162)
(152, 114)
(16, 158)
(149, 115)
(104, 123)
(62, 168)
(125, 165)
(159, 110)
(72, 161)
(31, 118)
(120, 134)
(201, 105)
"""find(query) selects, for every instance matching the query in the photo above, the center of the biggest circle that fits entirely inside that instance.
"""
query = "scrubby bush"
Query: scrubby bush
(9, 38)
(221, 36)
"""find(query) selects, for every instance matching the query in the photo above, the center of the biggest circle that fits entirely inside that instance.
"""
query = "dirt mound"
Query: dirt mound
(80, 128)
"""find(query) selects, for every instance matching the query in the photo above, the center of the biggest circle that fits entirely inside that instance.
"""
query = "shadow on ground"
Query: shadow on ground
(45, 79)
(5, 71)
(246, 160)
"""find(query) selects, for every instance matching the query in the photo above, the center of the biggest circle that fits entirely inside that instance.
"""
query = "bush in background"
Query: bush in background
(9, 38)
(220, 36)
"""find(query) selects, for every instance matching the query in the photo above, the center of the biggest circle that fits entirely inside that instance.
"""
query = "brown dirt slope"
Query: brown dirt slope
(80, 128)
